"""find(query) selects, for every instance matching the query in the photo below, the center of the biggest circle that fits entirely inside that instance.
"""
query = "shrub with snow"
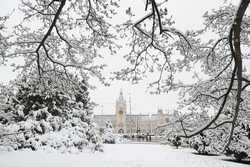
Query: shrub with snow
(176, 141)
(201, 144)
(51, 118)
(119, 139)
(240, 144)
(108, 136)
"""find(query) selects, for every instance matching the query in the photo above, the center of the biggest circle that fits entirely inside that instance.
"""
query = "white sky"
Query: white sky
(187, 14)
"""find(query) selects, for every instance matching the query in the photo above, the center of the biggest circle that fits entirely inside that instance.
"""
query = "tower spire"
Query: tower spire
(121, 98)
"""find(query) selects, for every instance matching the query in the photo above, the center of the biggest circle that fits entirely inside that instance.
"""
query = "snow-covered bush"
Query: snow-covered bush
(108, 136)
(49, 117)
(176, 141)
(240, 145)
(201, 144)
(120, 139)
(213, 141)
(52, 132)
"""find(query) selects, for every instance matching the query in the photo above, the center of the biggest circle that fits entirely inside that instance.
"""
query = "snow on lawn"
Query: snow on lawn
(117, 155)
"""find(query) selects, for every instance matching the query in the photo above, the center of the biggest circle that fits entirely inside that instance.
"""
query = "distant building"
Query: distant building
(131, 123)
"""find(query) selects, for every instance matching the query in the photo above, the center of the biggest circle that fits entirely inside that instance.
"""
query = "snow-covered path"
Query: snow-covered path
(118, 155)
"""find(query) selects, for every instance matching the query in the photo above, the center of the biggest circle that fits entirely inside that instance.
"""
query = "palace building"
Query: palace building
(128, 123)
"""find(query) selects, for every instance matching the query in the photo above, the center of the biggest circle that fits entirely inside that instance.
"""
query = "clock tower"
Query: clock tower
(121, 109)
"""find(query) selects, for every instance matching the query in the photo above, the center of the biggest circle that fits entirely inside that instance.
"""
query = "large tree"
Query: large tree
(160, 48)
(63, 36)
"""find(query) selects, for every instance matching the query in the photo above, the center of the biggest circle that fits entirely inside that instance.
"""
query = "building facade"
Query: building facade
(128, 123)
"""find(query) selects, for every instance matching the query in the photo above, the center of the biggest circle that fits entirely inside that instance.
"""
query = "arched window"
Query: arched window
(120, 112)
(120, 131)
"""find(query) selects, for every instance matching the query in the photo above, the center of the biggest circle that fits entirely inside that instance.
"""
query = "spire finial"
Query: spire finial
(121, 98)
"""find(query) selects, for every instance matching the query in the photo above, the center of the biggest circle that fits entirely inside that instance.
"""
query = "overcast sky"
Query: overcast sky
(186, 13)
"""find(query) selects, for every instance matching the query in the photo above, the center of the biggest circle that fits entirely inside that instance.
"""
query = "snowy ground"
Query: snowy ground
(118, 155)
